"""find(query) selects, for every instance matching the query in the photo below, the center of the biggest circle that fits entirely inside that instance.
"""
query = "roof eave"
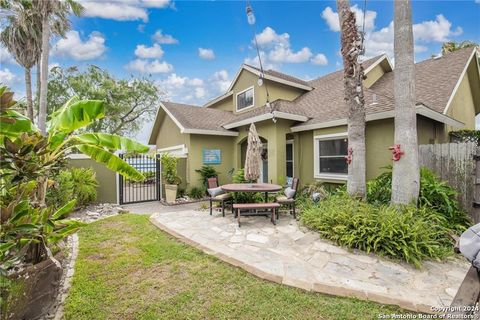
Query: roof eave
(266, 116)
(420, 109)
(218, 99)
(210, 132)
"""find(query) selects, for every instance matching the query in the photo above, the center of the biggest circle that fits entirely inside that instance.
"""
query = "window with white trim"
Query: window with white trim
(330, 152)
(245, 99)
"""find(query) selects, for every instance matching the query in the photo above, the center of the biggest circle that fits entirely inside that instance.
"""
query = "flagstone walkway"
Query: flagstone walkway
(287, 254)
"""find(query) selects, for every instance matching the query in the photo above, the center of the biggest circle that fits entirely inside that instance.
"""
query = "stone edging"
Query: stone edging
(315, 287)
(68, 275)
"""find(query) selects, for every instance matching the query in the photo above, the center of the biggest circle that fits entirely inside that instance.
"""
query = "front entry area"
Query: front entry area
(263, 164)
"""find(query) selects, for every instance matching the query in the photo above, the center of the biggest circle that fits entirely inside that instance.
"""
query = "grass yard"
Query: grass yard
(128, 269)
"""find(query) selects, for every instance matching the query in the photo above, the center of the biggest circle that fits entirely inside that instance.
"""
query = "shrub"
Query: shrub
(196, 193)
(245, 197)
(434, 194)
(205, 173)
(408, 233)
(74, 183)
(169, 169)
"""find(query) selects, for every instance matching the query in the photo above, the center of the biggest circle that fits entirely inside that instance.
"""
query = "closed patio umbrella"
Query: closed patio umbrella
(253, 157)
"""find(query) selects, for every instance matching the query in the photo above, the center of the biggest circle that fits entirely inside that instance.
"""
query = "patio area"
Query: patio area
(288, 254)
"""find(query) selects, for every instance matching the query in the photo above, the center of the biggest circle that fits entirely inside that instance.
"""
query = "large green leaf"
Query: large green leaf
(112, 161)
(112, 142)
(64, 210)
(76, 114)
(12, 124)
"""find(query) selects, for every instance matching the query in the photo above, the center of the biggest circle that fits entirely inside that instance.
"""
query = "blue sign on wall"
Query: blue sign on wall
(212, 156)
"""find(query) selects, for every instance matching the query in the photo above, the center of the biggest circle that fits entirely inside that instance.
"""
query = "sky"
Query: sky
(193, 49)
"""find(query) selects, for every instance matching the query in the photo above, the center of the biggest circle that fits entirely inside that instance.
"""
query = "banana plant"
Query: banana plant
(27, 158)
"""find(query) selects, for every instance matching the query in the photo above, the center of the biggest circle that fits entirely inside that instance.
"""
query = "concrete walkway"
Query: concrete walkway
(286, 254)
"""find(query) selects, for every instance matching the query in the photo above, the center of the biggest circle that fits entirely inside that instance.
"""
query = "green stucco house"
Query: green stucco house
(308, 138)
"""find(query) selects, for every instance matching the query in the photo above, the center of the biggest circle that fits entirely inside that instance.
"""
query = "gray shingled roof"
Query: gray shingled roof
(435, 81)
(194, 117)
(281, 75)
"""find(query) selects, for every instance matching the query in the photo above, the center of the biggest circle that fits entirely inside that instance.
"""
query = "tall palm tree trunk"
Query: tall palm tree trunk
(354, 99)
(42, 108)
(38, 81)
(28, 88)
(406, 173)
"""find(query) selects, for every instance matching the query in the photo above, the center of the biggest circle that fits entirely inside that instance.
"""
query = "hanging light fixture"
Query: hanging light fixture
(250, 15)
(260, 81)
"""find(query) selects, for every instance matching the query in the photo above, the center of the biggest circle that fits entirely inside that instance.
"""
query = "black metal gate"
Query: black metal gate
(141, 191)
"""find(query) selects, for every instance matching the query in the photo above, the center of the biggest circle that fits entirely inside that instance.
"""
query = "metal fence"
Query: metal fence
(141, 191)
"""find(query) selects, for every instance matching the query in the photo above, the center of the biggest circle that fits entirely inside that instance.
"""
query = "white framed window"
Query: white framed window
(245, 99)
(329, 156)
(289, 159)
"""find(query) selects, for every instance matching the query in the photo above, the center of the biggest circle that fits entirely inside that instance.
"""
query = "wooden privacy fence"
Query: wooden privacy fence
(459, 165)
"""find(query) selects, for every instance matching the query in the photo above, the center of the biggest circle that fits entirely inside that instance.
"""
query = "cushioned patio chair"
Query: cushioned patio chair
(218, 195)
(288, 199)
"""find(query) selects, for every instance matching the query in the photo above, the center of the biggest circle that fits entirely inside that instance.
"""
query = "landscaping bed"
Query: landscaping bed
(128, 269)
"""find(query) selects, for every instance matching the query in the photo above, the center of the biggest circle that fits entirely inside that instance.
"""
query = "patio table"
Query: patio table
(252, 187)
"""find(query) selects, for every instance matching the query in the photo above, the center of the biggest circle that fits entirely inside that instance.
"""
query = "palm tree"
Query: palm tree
(406, 173)
(452, 46)
(21, 38)
(354, 99)
(52, 14)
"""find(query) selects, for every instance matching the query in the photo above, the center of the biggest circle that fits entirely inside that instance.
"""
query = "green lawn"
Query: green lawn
(128, 269)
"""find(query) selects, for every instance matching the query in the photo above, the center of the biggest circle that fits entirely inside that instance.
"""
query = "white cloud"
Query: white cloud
(320, 59)
(268, 37)
(145, 52)
(5, 56)
(435, 31)
(200, 93)
(331, 18)
(161, 38)
(276, 49)
(7, 77)
(144, 66)
(381, 41)
(194, 90)
(73, 47)
(122, 10)
(221, 80)
(206, 54)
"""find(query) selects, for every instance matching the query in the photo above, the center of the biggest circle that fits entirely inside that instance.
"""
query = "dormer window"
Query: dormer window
(245, 99)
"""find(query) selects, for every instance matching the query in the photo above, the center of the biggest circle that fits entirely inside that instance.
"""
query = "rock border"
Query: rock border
(314, 287)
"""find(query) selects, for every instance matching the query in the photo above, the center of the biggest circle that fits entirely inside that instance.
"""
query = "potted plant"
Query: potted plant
(170, 176)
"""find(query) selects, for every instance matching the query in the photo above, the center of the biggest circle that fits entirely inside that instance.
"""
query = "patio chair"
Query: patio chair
(289, 198)
(217, 195)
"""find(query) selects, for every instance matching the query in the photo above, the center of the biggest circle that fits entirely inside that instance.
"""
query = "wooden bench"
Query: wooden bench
(256, 206)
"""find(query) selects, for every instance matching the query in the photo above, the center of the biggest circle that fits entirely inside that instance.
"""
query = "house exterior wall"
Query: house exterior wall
(107, 179)
(373, 75)
(462, 107)
(224, 104)
(275, 134)
(195, 157)
(246, 80)
(379, 135)
(169, 134)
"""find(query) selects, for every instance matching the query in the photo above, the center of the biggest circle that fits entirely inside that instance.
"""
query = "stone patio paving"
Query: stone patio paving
(290, 255)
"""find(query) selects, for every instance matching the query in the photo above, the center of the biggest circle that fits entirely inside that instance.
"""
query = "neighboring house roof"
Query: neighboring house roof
(323, 106)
